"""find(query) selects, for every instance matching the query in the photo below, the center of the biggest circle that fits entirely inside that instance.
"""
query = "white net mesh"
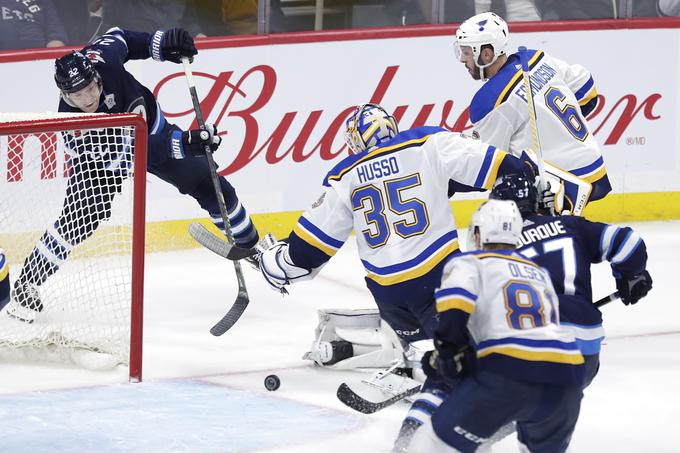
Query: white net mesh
(66, 206)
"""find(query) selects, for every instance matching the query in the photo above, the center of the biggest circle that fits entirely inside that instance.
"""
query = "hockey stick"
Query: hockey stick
(605, 300)
(351, 399)
(242, 300)
(524, 60)
(217, 245)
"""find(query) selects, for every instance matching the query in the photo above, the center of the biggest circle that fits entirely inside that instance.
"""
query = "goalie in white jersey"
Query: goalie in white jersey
(563, 96)
(498, 329)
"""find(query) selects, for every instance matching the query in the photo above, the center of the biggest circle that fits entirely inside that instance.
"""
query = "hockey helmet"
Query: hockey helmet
(73, 72)
(368, 128)
(519, 189)
(480, 30)
(497, 222)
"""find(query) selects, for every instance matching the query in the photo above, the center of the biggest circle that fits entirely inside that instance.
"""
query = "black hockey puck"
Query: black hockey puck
(272, 382)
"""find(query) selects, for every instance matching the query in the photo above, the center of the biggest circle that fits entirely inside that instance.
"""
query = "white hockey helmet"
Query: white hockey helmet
(498, 222)
(369, 127)
(480, 30)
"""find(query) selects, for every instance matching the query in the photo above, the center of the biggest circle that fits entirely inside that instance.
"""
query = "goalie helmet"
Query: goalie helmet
(369, 127)
(480, 30)
(519, 189)
(497, 222)
(73, 72)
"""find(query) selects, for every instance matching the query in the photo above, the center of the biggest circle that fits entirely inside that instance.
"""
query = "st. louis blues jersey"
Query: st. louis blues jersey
(510, 309)
(566, 247)
(563, 95)
(395, 198)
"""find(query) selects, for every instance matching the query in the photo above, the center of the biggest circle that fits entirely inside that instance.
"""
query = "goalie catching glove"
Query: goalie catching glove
(194, 142)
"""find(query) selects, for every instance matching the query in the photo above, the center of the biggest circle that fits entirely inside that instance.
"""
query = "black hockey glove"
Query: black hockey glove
(633, 289)
(172, 45)
(449, 362)
(194, 142)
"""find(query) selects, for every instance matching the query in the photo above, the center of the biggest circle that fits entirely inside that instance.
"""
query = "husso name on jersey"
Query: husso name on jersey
(378, 169)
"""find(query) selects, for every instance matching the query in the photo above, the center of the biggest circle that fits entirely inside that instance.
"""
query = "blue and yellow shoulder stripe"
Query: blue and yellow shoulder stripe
(498, 89)
(509, 255)
(412, 138)
(4, 267)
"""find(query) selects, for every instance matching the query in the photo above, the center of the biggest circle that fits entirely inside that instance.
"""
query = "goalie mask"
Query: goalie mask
(78, 80)
(478, 31)
(496, 222)
(368, 128)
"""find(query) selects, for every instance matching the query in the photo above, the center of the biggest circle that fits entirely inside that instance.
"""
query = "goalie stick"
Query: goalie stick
(242, 299)
(382, 390)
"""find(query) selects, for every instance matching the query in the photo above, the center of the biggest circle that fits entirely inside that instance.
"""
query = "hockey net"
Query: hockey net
(72, 194)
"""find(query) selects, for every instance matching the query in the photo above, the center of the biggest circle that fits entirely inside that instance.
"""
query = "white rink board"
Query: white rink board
(250, 92)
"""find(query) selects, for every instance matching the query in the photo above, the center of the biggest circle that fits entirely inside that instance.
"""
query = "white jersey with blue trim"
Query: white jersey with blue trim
(500, 115)
(395, 198)
(513, 312)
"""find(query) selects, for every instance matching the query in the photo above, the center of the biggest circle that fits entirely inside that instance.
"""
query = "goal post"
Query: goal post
(72, 224)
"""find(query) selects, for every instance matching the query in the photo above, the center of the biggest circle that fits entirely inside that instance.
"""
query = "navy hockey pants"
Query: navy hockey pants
(481, 404)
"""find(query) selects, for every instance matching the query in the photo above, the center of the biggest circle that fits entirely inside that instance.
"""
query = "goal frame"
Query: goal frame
(59, 124)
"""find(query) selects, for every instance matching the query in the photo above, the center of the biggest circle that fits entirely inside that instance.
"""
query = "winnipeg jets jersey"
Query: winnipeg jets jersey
(395, 198)
(567, 246)
(510, 308)
(500, 115)
(121, 91)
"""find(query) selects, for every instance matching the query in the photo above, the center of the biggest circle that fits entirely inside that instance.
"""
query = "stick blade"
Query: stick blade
(233, 315)
(355, 401)
(218, 245)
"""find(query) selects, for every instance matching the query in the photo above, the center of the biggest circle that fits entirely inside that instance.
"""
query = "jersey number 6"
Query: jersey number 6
(567, 113)
(379, 231)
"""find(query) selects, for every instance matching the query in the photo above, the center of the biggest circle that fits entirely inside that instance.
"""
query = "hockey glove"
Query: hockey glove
(194, 142)
(449, 362)
(279, 270)
(546, 201)
(633, 289)
(172, 45)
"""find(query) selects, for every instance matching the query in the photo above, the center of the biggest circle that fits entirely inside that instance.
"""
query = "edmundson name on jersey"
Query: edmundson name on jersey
(547, 230)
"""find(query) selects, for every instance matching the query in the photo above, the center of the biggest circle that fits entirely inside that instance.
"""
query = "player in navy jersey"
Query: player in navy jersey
(95, 80)
(498, 334)
(567, 246)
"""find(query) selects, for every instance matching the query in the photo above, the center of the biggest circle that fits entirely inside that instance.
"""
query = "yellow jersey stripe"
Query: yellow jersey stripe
(513, 81)
(417, 271)
(588, 97)
(534, 356)
(595, 176)
(506, 257)
(492, 175)
(313, 241)
(455, 304)
(4, 271)
(379, 152)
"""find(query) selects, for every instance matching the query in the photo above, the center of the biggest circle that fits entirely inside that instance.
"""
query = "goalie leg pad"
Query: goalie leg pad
(347, 339)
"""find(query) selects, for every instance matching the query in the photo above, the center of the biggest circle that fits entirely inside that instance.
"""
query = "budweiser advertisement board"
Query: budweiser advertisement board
(281, 108)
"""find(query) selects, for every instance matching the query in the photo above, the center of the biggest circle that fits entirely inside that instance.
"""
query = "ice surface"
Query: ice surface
(633, 405)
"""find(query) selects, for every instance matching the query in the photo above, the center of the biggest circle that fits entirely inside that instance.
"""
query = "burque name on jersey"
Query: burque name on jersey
(378, 169)
(545, 231)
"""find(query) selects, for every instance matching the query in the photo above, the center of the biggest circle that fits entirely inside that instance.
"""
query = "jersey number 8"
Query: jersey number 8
(525, 309)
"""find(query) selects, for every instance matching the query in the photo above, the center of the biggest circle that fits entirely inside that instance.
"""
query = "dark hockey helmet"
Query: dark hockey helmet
(518, 188)
(73, 72)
